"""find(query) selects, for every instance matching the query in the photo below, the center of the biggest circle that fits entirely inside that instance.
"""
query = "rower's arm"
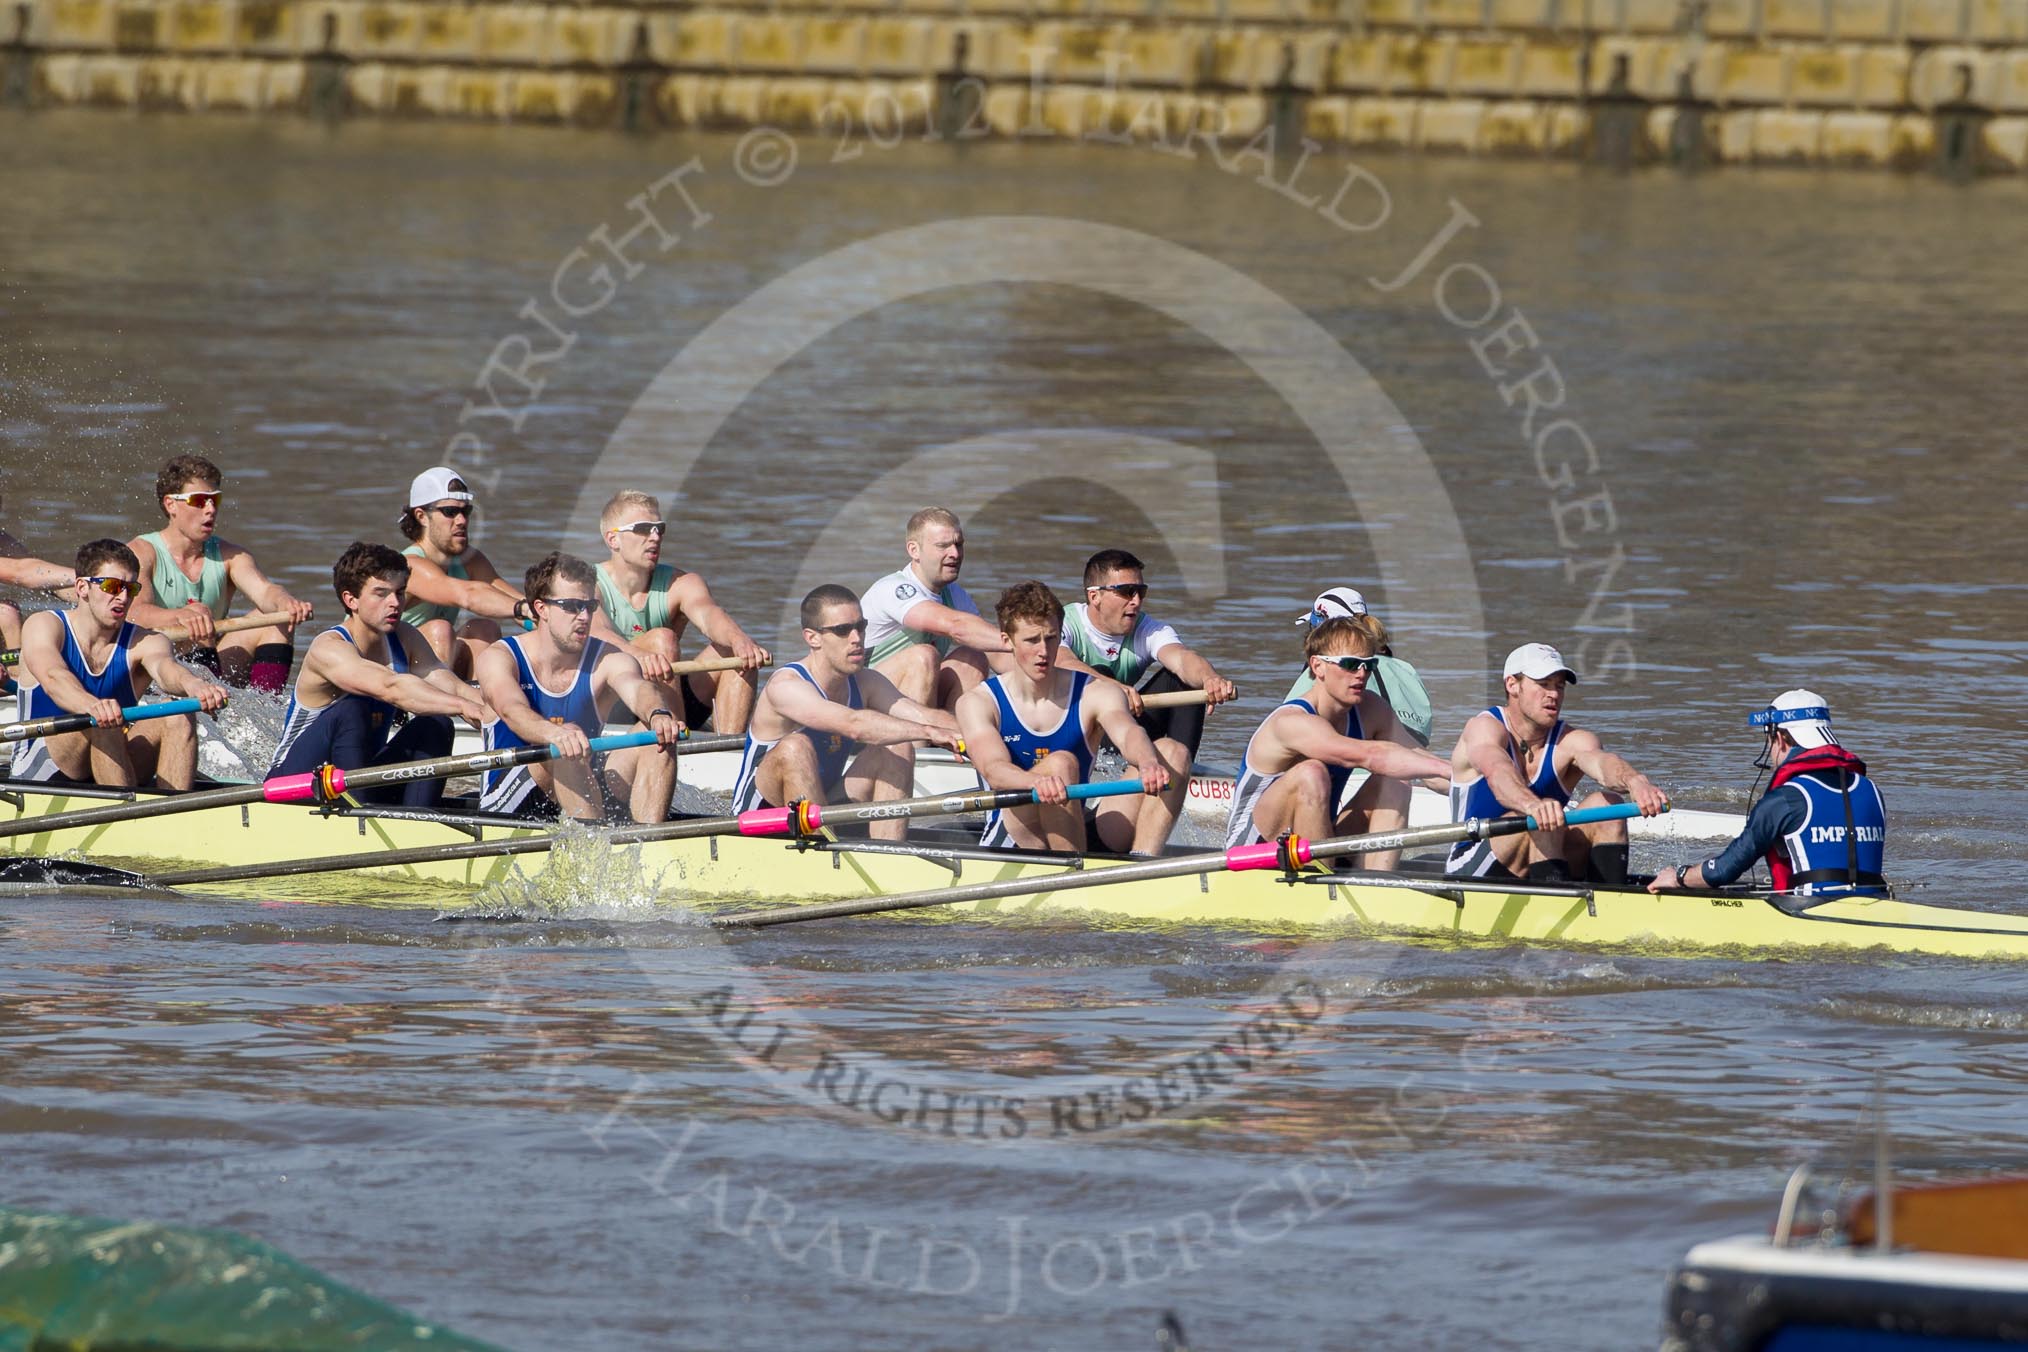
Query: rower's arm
(1109, 709)
(259, 589)
(1486, 747)
(1311, 738)
(156, 660)
(690, 597)
(1773, 817)
(427, 687)
(484, 593)
(1196, 671)
(889, 716)
(625, 682)
(979, 721)
(960, 626)
(1611, 771)
(1382, 724)
(19, 568)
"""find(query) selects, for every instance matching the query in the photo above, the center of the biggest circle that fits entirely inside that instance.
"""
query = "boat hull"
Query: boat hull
(733, 870)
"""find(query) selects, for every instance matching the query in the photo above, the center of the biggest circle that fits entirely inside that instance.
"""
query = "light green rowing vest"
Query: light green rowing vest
(422, 612)
(908, 638)
(173, 589)
(1400, 686)
(630, 620)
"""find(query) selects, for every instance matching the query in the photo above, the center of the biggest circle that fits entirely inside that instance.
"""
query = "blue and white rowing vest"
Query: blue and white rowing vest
(1817, 857)
(299, 723)
(834, 750)
(114, 682)
(506, 790)
(1028, 747)
(1476, 799)
(1240, 828)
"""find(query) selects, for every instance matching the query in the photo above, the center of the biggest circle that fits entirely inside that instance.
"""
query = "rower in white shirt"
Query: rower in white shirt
(924, 632)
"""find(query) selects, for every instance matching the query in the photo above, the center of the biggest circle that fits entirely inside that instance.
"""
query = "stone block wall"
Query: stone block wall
(1900, 83)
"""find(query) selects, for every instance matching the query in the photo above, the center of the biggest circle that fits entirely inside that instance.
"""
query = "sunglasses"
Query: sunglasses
(454, 509)
(842, 630)
(643, 528)
(200, 499)
(113, 586)
(569, 605)
(1130, 590)
(1369, 665)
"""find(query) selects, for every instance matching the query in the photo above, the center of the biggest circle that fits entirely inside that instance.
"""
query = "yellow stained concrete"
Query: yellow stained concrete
(1653, 17)
(541, 96)
(595, 101)
(1257, 11)
(1569, 126)
(233, 86)
(679, 100)
(1419, 64)
(1359, 64)
(200, 26)
(512, 34)
(1883, 77)
(270, 27)
(168, 83)
(1782, 137)
(388, 30)
(477, 94)
(1479, 67)
(1805, 19)
(1014, 52)
(448, 33)
(1733, 74)
(1550, 69)
(1515, 127)
(736, 101)
(1734, 139)
(1732, 18)
(764, 43)
(1824, 76)
(592, 37)
(1653, 66)
(1522, 16)
(281, 84)
(1858, 139)
(1245, 115)
(834, 45)
(1454, 13)
(1384, 122)
(1188, 11)
(800, 105)
(60, 79)
(2013, 83)
(1863, 20)
(1999, 22)
(1160, 56)
(1085, 53)
(1328, 120)
(1227, 58)
(1006, 109)
(2004, 142)
(1933, 20)
(1452, 125)
(913, 46)
(1392, 13)
(1123, 9)
(109, 81)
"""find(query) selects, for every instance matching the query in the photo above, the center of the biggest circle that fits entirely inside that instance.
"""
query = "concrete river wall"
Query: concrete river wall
(1911, 84)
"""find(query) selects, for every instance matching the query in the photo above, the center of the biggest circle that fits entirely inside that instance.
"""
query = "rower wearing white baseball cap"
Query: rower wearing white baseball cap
(446, 575)
(1524, 759)
(1395, 680)
(1821, 826)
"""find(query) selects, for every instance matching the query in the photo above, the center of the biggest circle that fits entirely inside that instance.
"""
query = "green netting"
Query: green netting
(79, 1284)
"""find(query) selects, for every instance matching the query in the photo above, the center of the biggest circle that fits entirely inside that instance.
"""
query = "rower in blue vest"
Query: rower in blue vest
(1821, 826)
(361, 677)
(1035, 726)
(92, 660)
(1523, 759)
(550, 687)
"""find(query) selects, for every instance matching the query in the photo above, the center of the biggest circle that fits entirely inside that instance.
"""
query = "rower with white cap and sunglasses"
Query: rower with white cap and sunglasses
(646, 604)
(1524, 760)
(1395, 680)
(448, 576)
(1821, 826)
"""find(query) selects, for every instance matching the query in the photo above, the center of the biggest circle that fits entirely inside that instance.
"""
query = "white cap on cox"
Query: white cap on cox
(434, 485)
(1336, 604)
(1804, 715)
(1538, 662)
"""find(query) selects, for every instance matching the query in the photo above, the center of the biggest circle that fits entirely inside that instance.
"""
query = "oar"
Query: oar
(176, 633)
(1172, 699)
(61, 723)
(329, 782)
(1292, 853)
(803, 818)
(698, 665)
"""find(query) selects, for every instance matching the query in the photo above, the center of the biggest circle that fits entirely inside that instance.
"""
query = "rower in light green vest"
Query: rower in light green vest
(631, 620)
(212, 589)
(422, 612)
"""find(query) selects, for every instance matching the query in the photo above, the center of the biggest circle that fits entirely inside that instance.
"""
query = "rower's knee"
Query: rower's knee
(1310, 781)
(437, 633)
(480, 630)
(795, 751)
(660, 641)
(1063, 765)
(913, 671)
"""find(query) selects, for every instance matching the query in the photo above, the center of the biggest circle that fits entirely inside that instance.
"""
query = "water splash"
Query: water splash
(585, 877)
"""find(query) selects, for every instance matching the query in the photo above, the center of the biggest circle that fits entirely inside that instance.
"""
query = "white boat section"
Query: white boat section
(1756, 1255)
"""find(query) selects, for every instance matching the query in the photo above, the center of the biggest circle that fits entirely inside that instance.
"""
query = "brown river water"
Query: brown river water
(1713, 436)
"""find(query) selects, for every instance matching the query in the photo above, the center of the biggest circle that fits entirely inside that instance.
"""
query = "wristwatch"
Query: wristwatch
(1680, 870)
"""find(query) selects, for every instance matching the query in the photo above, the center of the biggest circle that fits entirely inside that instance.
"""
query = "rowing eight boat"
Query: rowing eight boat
(726, 869)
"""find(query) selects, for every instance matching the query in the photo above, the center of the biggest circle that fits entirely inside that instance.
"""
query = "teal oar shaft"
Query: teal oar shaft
(1273, 854)
(769, 821)
(57, 724)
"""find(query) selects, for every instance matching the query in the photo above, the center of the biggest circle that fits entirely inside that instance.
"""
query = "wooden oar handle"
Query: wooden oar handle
(1172, 699)
(260, 619)
(699, 665)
